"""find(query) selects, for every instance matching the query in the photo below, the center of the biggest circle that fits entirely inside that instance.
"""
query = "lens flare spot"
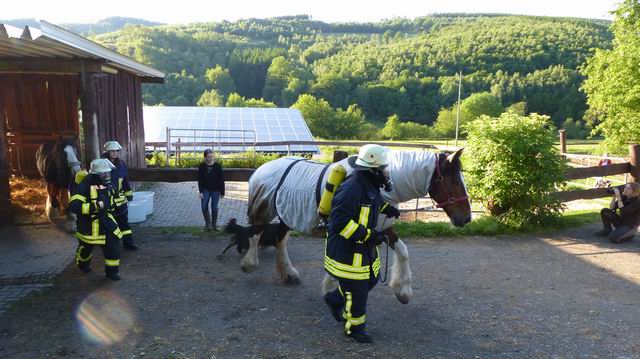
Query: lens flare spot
(104, 318)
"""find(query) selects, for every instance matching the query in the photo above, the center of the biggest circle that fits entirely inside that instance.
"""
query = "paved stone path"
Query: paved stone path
(178, 204)
(31, 257)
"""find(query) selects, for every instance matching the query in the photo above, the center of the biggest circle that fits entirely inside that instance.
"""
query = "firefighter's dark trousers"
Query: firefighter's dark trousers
(111, 251)
(353, 296)
(122, 217)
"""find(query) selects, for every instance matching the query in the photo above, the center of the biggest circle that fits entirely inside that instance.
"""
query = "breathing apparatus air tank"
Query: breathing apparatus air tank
(336, 176)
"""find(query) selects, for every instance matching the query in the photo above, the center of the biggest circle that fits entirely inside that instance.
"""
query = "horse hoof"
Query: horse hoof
(248, 268)
(293, 280)
(403, 298)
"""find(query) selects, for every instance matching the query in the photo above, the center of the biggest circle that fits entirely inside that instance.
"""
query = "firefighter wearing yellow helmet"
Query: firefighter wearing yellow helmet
(351, 254)
(124, 194)
(93, 202)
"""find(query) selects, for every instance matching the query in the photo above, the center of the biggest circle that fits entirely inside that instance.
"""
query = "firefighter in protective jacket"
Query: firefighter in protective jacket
(93, 202)
(351, 254)
(124, 194)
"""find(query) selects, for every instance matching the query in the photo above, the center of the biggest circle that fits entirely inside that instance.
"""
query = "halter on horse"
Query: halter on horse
(57, 162)
(288, 188)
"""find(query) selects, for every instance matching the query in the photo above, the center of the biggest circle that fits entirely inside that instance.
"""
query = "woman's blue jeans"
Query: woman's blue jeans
(207, 196)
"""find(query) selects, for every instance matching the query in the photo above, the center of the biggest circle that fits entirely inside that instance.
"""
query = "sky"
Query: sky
(186, 11)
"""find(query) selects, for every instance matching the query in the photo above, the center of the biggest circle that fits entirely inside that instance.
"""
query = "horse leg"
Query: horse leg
(250, 260)
(329, 284)
(70, 218)
(400, 281)
(51, 207)
(286, 271)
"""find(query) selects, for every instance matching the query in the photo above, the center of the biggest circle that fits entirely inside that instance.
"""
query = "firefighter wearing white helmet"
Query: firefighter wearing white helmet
(120, 181)
(93, 202)
(351, 255)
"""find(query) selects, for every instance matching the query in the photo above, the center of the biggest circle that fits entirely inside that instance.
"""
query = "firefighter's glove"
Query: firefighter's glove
(391, 211)
(378, 237)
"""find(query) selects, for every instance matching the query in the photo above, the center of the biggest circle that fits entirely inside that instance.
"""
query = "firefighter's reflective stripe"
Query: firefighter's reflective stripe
(347, 312)
(364, 219)
(78, 197)
(349, 229)
(346, 271)
(385, 205)
(128, 193)
(79, 257)
(90, 239)
(112, 262)
(85, 208)
(120, 184)
(357, 259)
(128, 231)
(364, 215)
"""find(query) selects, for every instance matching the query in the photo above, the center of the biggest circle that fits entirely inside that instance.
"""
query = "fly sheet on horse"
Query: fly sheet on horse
(291, 188)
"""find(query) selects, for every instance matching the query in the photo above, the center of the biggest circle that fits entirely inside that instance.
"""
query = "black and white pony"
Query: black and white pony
(57, 162)
(291, 188)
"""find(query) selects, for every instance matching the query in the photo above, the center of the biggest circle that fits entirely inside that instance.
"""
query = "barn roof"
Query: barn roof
(53, 43)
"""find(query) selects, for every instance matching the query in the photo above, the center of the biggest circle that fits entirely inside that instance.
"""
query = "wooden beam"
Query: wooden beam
(563, 141)
(48, 66)
(174, 175)
(88, 103)
(597, 171)
(591, 193)
(5, 191)
(634, 162)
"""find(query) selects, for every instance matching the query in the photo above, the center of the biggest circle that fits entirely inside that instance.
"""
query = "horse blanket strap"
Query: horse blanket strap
(320, 183)
(284, 176)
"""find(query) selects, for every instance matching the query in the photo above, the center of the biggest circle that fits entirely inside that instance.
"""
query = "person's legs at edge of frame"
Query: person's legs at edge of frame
(623, 233)
(204, 204)
(215, 200)
(609, 218)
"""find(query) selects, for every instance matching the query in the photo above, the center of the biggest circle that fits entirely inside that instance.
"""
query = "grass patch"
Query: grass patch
(491, 226)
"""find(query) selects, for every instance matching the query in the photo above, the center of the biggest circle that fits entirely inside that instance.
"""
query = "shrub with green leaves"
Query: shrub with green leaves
(513, 165)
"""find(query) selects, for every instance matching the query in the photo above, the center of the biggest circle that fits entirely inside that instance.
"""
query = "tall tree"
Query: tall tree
(612, 81)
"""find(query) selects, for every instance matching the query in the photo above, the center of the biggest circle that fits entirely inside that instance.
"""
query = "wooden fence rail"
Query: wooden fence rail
(174, 175)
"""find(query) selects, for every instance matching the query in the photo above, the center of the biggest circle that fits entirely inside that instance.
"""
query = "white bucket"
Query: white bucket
(137, 211)
(147, 198)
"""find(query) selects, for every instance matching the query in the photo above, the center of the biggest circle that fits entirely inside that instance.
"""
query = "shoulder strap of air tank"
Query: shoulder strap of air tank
(319, 184)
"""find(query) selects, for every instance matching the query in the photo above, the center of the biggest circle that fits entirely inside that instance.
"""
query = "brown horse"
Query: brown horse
(57, 162)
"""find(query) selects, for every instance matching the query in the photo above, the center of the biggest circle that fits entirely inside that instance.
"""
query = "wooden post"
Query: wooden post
(339, 155)
(634, 160)
(563, 141)
(88, 103)
(5, 191)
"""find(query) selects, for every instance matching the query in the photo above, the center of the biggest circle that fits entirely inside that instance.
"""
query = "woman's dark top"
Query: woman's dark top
(630, 213)
(210, 178)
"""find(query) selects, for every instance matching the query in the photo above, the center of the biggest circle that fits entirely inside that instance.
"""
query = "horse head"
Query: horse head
(448, 190)
(70, 153)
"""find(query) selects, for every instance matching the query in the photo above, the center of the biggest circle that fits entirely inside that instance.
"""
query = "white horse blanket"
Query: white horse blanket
(290, 188)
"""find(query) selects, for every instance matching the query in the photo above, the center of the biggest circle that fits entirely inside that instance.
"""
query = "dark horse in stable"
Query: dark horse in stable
(290, 189)
(57, 162)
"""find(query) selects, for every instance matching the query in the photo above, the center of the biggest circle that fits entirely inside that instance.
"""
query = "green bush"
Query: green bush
(513, 166)
(248, 159)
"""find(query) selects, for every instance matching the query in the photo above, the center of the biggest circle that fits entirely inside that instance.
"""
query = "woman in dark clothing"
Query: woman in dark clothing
(623, 214)
(211, 188)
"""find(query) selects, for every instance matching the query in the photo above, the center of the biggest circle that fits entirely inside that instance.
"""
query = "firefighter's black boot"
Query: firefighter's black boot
(207, 220)
(360, 337)
(214, 219)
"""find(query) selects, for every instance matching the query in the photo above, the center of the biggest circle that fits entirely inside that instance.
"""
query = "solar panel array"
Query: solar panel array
(245, 124)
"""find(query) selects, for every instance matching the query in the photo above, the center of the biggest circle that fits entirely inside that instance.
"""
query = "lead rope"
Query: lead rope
(386, 261)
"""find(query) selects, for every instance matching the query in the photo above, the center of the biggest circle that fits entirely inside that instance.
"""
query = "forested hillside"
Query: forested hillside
(396, 67)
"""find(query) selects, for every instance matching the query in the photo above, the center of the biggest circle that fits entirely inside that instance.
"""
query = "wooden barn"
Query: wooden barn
(48, 76)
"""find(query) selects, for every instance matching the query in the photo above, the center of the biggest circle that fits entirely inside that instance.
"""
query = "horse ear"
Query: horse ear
(455, 156)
